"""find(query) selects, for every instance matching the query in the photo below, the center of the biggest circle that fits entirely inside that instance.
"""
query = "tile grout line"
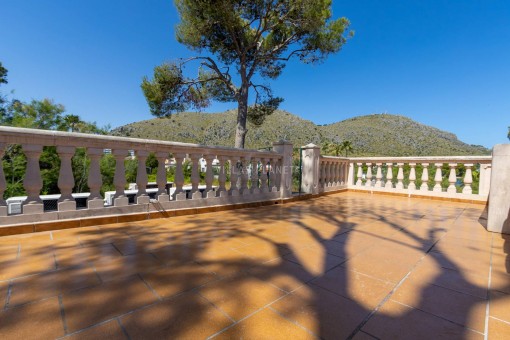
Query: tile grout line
(9, 292)
(294, 322)
(390, 294)
(123, 329)
(62, 313)
(149, 287)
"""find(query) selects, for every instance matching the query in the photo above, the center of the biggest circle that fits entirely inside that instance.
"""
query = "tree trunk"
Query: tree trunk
(242, 115)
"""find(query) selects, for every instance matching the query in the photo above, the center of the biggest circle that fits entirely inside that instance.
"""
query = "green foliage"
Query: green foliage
(372, 135)
(254, 38)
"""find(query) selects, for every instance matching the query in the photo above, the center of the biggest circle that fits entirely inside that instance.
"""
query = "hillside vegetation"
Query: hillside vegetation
(370, 135)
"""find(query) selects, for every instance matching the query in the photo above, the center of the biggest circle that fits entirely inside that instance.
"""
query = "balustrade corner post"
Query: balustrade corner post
(209, 177)
(438, 178)
(65, 183)
(141, 177)
(3, 183)
(95, 181)
(412, 177)
(468, 180)
(244, 190)
(425, 177)
(179, 194)
(284, 148)
(195, 175)
(400, 176)
(119, 178)
(452, 178)
(499, 204)
(161, 180)
(359, 175)
(222, 178)
(378, 176)
(33, 182)
(310, 169)
(234, 176)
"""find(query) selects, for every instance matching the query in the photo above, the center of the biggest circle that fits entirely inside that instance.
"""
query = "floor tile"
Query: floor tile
(499, 306)
(187, 317)
(110, 330)
(498, 329)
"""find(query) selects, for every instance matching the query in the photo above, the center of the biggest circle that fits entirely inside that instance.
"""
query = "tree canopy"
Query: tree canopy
(242, 45)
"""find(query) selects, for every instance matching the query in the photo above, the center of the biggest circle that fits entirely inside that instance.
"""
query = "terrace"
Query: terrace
(339, 262)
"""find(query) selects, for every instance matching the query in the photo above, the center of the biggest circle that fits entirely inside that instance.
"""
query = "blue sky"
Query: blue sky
(442, 63)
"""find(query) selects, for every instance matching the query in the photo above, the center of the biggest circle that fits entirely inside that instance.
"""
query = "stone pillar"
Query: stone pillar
(3, 183)
(310, 169)
(209, 192)
(400, 176)
(359, 181)
(234, 176)
(378, 175)
(284, 148)
(425, 177)
(389, 176)
(499, 197)
(412, 177)
(195, 175)
(119, 178)
(95, 180)
(245, 161)
(468, 180)
(179, 194)
(452, 179)
(254, 188)
(33, 182)
(161, 177)
(222, 178)
(65, 183)
(368, 183)
(141, 177)
(438, 178)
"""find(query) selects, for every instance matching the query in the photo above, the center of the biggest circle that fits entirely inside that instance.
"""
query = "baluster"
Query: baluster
(161, 177)
(278, 168)
(389, 176)
(95, 180)
(378, 176)
(359, 175)
(3, 183)
(400, 176)
(141, 177)
(234, 176)
(468, 180)
(195, 175)
(119, 178)
(425, 177)
(438, 178)
(222, 178)
(343, 173)
(272, 176)
(338, 169)
(209, 191)
(33, 182)
(245, 161)
(452, 178)
(368, 183)
(263, 176)
(179, 194)
(327, 180)
(65, 183)
(254, 176)
(323, 174)
(412, 177)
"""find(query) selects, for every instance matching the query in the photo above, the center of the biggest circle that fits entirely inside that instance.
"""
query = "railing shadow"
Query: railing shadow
(224, 259)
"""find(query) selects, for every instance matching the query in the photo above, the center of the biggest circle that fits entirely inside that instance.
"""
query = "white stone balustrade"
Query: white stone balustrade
(333, 172)
(249, 181)
(451, 186)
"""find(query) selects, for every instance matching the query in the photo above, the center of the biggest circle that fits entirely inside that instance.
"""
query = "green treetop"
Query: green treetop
(241, 44)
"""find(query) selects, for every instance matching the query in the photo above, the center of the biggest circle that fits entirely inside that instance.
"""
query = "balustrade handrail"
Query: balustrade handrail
(14, 135)
(424, 159)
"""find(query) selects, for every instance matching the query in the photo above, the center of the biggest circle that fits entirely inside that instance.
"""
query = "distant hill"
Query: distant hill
(371, 135)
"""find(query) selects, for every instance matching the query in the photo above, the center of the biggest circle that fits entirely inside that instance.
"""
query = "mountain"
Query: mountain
(370, 135)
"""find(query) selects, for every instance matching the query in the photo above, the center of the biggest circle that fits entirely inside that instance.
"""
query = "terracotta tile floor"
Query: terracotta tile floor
(348, 265)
